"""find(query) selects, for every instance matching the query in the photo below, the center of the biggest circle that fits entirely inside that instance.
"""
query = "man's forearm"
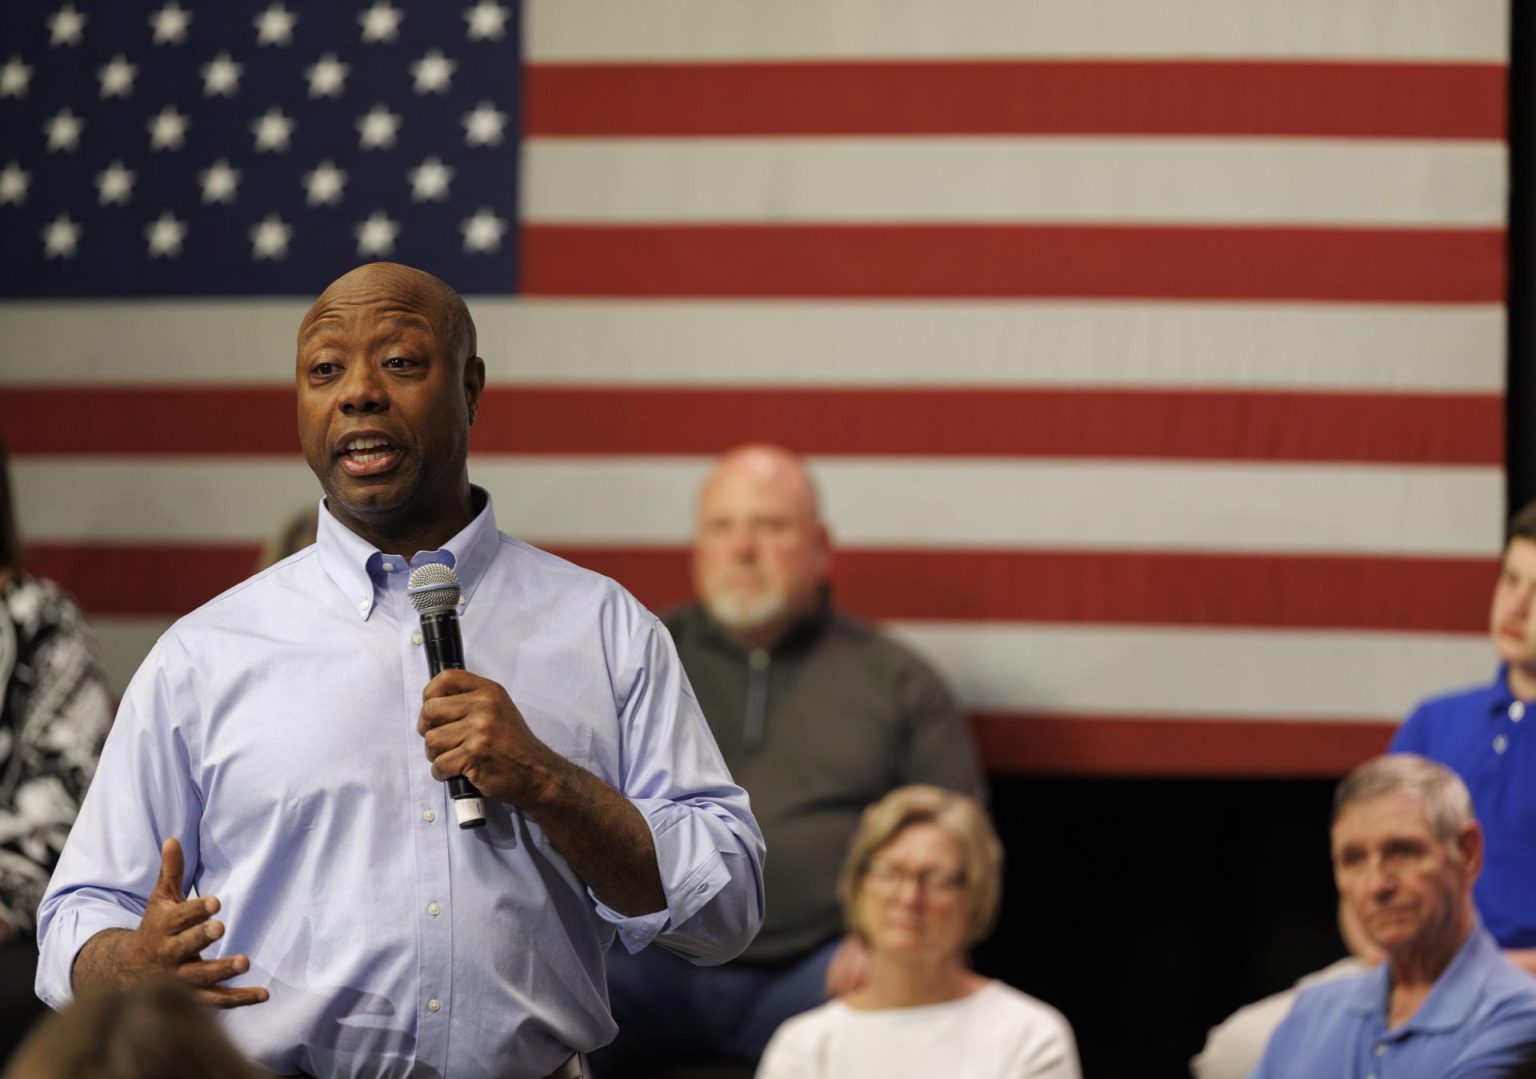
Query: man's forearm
(603, 837)
(104, 960)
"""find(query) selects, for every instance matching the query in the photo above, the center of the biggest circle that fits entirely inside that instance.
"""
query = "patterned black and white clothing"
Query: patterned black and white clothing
(54, 714)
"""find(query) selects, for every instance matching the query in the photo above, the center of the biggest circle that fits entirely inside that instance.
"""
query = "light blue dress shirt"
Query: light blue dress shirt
(273, 732)
(1478, 1022)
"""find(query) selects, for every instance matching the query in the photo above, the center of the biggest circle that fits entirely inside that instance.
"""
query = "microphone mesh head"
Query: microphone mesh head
(433, 587)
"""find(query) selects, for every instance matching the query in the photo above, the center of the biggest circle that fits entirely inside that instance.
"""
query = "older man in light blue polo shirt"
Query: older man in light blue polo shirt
(1446, 1004)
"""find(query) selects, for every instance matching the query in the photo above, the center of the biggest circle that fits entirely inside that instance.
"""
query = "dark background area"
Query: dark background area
(1148, 910)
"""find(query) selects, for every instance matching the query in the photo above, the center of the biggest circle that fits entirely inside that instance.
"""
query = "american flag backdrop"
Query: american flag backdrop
(1150, 355)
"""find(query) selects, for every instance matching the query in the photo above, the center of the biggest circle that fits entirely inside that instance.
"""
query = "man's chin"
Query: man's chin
(741, 615)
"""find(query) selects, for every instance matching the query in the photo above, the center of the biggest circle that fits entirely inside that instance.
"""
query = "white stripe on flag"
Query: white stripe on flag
(982, 29)
(1099, 180)
(883, 502)
(552, 342)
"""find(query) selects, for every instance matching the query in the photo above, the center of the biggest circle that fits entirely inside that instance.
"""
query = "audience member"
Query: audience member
(818, 715)
(920, 886)
(296, 533)
(54, 712)
(1235, 1045)
(1479, 734)
(153, 1030)
(284, 749)
(1446, 1003)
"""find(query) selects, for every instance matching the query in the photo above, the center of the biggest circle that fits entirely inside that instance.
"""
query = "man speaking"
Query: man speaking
(282, 753)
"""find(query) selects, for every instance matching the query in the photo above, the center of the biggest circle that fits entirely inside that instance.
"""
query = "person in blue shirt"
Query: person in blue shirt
(282, 750)
(1446, 1003)
(1480, 734)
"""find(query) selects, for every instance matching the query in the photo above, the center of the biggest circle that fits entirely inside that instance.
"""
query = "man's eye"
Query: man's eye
(398, 362)
(324, 367)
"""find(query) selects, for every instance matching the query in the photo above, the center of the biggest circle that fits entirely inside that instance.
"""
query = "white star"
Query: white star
(275, 26)
(170, 24)
(324, 184)
(65, 26)
(168, 130)
(64, 130)
(14, 77)
(219, 182)
(272, 130)
(116, 77)
(376, 236)
(269, 240)
(165, 234)
(483, 126)
(482, 232)
(13, 184)
(429, 180)
(380, 22)
(377, 130)
(487, 21)
(60, 237)
(326, 76)
(432, 72)
(114, 185)
(221, 76)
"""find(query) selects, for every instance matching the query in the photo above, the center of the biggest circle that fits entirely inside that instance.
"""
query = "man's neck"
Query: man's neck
(1521, 681)
(403, 538)
(1413, 975)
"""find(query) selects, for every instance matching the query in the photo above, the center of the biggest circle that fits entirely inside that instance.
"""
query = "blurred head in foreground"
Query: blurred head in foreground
(153, 1030)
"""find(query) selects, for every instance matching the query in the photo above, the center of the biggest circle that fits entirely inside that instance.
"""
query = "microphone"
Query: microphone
(434, 592)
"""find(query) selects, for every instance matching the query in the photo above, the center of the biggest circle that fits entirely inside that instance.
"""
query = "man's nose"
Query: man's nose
(362, 389)
(743, 544)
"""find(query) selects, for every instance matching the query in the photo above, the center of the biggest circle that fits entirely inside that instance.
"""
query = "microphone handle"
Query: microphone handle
(445, 652)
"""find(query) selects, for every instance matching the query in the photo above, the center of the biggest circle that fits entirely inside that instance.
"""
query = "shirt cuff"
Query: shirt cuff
(692, 871)
(68, 932)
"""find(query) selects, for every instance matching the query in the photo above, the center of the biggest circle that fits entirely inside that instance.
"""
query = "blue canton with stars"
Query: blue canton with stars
(229, 148)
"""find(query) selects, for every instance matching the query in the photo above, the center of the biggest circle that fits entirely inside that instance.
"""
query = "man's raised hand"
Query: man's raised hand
(169, 940)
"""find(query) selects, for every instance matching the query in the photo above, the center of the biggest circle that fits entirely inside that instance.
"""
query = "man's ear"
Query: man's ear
(824, 541)
(1469, 844)
(474, 384)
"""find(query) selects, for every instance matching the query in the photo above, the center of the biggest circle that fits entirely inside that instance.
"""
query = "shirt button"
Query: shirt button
(362, 605)
(1381, 1050)
(434, 910)
(429, 816)
(434, 1005)
(389, 567)
(415, 638)
(1500, 743)
(1517, 711)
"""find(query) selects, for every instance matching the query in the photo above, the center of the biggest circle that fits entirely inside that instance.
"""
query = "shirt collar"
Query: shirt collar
(1452, 998)
(1500, 697)
(357, 567)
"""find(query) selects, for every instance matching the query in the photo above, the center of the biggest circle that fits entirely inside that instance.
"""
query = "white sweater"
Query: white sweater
(995, 1033)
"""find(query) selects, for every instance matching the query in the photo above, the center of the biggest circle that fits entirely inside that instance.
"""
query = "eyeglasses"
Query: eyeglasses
(890, 878)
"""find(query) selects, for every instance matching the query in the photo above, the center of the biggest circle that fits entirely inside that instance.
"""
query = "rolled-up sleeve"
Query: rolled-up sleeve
(708, 845)
(142, 793)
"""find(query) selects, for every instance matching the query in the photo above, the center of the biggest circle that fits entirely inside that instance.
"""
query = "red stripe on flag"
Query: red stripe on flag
(1442, 429)
(1062, 261)
(1036, 97)
(1175, 747)
(1098, 587)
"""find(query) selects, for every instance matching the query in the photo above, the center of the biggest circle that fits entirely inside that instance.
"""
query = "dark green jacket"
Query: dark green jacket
(834, 717)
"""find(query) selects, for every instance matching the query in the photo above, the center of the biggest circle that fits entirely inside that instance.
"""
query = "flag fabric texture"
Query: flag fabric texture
(1150, 357)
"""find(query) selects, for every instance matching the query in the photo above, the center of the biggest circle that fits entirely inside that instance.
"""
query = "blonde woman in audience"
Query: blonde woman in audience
(920, 886)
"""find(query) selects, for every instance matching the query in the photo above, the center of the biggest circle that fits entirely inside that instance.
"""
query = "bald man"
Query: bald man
(282, 751)
(818, 715)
